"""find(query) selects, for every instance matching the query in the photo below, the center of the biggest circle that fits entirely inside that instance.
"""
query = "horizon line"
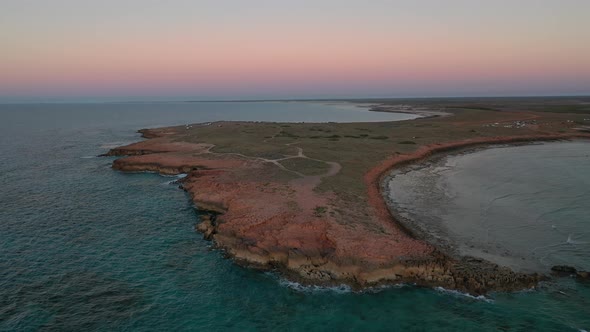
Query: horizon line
(233, 100)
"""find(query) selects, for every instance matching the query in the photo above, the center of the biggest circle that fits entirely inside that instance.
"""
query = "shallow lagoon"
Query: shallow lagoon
(85, 247)
(521, 206)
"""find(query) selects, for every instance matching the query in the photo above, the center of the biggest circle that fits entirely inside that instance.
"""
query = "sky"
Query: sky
(263, 49)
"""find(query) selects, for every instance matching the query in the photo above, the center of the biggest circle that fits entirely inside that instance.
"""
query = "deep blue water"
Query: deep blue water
(83, 247)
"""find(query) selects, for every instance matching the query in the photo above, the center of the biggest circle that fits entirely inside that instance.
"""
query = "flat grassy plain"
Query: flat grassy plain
(358, 147)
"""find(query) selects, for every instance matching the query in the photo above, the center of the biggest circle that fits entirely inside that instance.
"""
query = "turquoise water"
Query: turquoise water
(83, 247)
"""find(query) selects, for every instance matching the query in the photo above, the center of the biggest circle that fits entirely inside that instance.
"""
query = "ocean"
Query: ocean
(83, 247)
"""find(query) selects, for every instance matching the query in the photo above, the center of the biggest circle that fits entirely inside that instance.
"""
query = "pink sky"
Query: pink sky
(177, 48)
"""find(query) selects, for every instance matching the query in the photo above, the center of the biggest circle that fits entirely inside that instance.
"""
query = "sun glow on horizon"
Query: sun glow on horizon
(296, 48)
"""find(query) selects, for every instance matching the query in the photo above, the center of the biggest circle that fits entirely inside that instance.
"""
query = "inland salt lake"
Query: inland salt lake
(83, 247)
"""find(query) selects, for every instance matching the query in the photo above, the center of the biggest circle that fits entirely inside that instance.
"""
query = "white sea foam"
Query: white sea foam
(345, 289)
(572, 241)
(457, 293)
(88, 157)
(176, 178)
(341, 289)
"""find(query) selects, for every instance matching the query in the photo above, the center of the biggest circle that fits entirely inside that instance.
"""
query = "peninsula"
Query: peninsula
(305, 198)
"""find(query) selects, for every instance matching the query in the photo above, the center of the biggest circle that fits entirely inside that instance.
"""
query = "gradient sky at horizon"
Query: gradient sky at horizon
(75, 49)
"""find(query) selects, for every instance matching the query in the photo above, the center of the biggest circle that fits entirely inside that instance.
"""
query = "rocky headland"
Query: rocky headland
(305, 199)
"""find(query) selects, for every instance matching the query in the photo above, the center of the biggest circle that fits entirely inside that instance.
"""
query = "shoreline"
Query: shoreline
(421, 113)
(315, 255)
(419, 230)
(377, 177)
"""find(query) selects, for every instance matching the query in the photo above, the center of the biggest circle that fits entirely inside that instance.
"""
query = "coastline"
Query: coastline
(422, 113)
(441, 239)
(317, 259)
